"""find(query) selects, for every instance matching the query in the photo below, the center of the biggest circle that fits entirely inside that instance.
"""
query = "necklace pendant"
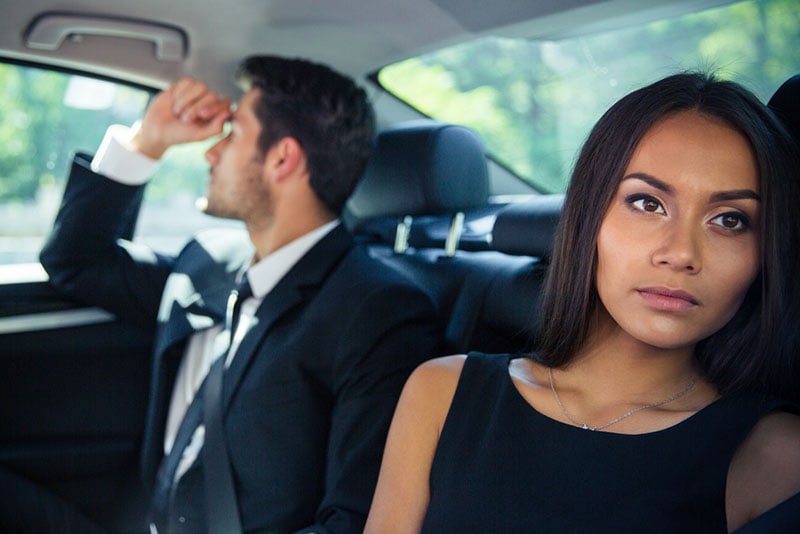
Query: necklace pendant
(585, 426)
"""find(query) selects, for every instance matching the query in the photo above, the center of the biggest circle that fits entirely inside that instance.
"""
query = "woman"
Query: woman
(669, 318)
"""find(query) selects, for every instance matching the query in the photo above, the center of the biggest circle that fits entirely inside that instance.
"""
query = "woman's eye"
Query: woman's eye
(647, 204)
(732, 221)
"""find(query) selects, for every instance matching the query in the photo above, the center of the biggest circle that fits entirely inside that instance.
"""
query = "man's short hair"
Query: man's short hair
(325, 111)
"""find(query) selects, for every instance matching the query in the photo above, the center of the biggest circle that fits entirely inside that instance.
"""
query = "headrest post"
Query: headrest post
(454, 235)
(402, 233)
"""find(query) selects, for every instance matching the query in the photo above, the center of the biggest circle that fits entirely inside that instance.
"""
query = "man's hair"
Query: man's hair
(326, 112)
(759, 347)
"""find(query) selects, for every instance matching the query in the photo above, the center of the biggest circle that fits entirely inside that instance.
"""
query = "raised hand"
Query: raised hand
(186, 111)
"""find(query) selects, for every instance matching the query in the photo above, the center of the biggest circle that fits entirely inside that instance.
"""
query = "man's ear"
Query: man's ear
(285, 158)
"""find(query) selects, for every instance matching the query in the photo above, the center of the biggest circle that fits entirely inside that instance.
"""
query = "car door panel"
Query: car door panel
(75, 396)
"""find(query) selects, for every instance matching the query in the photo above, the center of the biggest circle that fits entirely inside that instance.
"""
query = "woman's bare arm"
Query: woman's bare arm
(403, 492)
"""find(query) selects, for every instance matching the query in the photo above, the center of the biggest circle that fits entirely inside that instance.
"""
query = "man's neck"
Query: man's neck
(269, 239)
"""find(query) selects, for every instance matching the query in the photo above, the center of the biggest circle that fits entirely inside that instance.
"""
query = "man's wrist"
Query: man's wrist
(144, 146)
(118, 159)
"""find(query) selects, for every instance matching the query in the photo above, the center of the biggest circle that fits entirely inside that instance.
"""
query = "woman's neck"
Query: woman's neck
(614, 364)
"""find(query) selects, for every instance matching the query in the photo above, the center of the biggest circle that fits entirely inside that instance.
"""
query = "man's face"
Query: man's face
(236, 187)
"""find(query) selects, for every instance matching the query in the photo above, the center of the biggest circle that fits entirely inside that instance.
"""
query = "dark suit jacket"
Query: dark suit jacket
(310, 394)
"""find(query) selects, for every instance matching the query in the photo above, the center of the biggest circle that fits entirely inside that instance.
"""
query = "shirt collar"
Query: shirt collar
(265, 275)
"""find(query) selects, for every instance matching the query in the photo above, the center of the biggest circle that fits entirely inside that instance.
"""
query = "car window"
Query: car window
(534, 101)
(48, 115)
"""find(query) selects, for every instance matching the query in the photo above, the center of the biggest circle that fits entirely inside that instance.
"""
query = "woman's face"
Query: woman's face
(679, 245)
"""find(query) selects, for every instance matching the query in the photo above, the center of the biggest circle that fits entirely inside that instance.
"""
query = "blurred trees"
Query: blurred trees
(533, 102)
(46, 116)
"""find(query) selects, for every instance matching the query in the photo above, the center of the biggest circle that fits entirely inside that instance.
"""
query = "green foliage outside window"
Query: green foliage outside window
(45, 117)
(533, 102)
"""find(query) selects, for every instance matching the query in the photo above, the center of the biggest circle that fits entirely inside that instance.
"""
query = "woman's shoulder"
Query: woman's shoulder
(449, 368)
(765, 470)
(433, 384)
(435, 381)
(441, 368)
(774, 445)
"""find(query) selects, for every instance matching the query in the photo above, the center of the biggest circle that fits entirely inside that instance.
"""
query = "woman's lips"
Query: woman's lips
(666, 299)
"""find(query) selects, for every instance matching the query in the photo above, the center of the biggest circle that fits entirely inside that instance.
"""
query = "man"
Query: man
(322, 348)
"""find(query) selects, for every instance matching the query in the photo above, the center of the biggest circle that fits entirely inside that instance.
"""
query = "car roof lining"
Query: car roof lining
(354, 36)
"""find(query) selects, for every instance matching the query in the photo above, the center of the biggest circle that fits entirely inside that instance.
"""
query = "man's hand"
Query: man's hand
(184, 112)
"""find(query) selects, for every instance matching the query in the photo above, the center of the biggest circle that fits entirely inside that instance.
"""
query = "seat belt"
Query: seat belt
(165, 478)
(221, 503)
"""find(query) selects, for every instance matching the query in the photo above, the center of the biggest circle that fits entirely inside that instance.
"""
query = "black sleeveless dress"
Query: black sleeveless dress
(501, 466)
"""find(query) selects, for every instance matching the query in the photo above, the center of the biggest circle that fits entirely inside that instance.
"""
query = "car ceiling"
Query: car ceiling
(355, 36)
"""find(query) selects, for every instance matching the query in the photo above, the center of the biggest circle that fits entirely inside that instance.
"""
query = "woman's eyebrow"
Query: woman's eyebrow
(721, 196)
(650, 180)
(737, 194)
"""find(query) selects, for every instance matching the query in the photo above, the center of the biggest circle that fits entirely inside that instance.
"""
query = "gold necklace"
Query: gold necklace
(585, 426)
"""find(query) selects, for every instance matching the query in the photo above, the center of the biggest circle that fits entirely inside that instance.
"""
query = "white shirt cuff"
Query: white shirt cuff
(117, 160)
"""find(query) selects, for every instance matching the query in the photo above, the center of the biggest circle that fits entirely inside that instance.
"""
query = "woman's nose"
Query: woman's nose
(681, 249)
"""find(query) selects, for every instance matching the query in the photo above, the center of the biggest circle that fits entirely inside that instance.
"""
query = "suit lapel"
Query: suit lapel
(196, 292)
(298, 286)
(190, 311)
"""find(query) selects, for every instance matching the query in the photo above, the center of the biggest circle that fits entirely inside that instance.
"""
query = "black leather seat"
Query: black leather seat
(431, 172)
(786, 104)
(419, 168)
(786, 516)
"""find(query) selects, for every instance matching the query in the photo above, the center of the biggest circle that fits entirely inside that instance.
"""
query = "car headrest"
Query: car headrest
(528, 228)
(421, 168)
(786, 104)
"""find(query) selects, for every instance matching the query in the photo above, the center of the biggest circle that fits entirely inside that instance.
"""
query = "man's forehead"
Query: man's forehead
(245, 105)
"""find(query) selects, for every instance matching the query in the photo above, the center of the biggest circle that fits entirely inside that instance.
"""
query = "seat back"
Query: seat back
(425, 176)
(423, 167)
(786, 104)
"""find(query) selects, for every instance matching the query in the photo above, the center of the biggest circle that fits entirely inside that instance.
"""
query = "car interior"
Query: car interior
(451, 203)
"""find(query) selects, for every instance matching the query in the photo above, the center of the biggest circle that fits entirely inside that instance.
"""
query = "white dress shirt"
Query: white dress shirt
(118, 161)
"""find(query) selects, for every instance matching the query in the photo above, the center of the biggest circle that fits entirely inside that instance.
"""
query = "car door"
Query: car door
(74, 397)
(75, 379)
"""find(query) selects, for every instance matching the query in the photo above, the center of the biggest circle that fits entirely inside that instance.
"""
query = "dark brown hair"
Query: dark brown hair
(325, 111)
(758, 348)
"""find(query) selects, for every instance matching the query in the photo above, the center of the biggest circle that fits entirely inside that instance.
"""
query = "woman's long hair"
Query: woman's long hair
(758, 348)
